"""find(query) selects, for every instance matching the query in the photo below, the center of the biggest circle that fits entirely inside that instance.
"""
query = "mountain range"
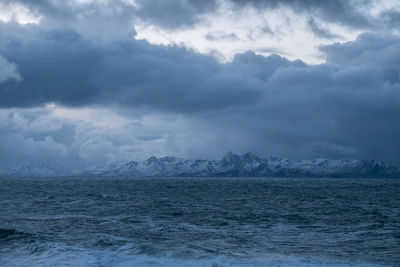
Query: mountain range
(231, 165)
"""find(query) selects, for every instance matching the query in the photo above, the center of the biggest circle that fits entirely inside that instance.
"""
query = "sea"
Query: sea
(211, 222)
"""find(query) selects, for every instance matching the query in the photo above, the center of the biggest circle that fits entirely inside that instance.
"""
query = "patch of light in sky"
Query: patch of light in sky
(17, 13)
(99, 116)
(280, 31)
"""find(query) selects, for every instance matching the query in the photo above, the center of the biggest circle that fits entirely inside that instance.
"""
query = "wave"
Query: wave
(63, 255)
(11, 234)
(6, 233)
(57, 217)
(12, 240)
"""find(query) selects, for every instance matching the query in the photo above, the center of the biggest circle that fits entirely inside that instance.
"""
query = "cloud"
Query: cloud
(391, 17)
(8, 71)
(58, 78)
(347, 107)
(100, 21)
(338, 11)
(32, 136)
(212, 36)
(17, 13)
(174, 13)
(63, 67)
(319, 31)
(269, 105)
(187, 13)
(179, 14)
(368, 49)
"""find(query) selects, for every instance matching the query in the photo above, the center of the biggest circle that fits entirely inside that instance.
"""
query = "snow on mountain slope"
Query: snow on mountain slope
(232, 165)
(248, 165)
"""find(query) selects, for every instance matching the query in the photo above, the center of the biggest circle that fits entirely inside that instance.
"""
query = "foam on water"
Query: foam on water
(58, 255)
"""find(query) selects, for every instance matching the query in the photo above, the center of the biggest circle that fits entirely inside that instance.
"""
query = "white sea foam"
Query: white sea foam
(61, 255)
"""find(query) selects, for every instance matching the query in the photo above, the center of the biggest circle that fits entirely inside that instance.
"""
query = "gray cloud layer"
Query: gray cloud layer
(349, 106)
(185, 13)
(175, 14)
(63, 67)
(8, 71)
(346, 12)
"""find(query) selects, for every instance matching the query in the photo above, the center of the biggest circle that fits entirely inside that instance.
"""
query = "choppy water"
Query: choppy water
(199, 222)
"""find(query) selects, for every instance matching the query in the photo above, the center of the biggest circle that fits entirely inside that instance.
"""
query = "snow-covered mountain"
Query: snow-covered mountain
(246, 165)
(232, 165)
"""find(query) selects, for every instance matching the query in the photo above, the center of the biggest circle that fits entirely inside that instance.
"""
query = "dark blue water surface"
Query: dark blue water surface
(199, 222)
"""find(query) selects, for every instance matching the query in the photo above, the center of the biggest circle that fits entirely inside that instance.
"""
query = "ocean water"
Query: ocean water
(199, 222)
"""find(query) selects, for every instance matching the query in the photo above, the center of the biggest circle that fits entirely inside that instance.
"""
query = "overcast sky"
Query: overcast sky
(87, 82)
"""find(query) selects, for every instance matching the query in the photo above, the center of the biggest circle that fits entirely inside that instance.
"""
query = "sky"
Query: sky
(86, 82)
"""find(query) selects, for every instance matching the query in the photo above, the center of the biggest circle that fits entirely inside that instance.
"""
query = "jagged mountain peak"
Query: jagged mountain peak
(249, 156)
(229, 156)
(170, 158)
(249, 164)
(245, 165)
(151, 159)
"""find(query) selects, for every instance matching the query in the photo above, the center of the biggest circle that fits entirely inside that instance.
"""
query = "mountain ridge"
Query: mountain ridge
(231, 165)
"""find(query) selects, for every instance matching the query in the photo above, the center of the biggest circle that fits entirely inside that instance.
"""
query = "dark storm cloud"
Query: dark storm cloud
(181, 13)
(68, 9)
(346, 107)
(167, 14)
(61, 66)
(174, 13)
(380, 51)
(100, 20)
(351, 13)
(391, 17)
